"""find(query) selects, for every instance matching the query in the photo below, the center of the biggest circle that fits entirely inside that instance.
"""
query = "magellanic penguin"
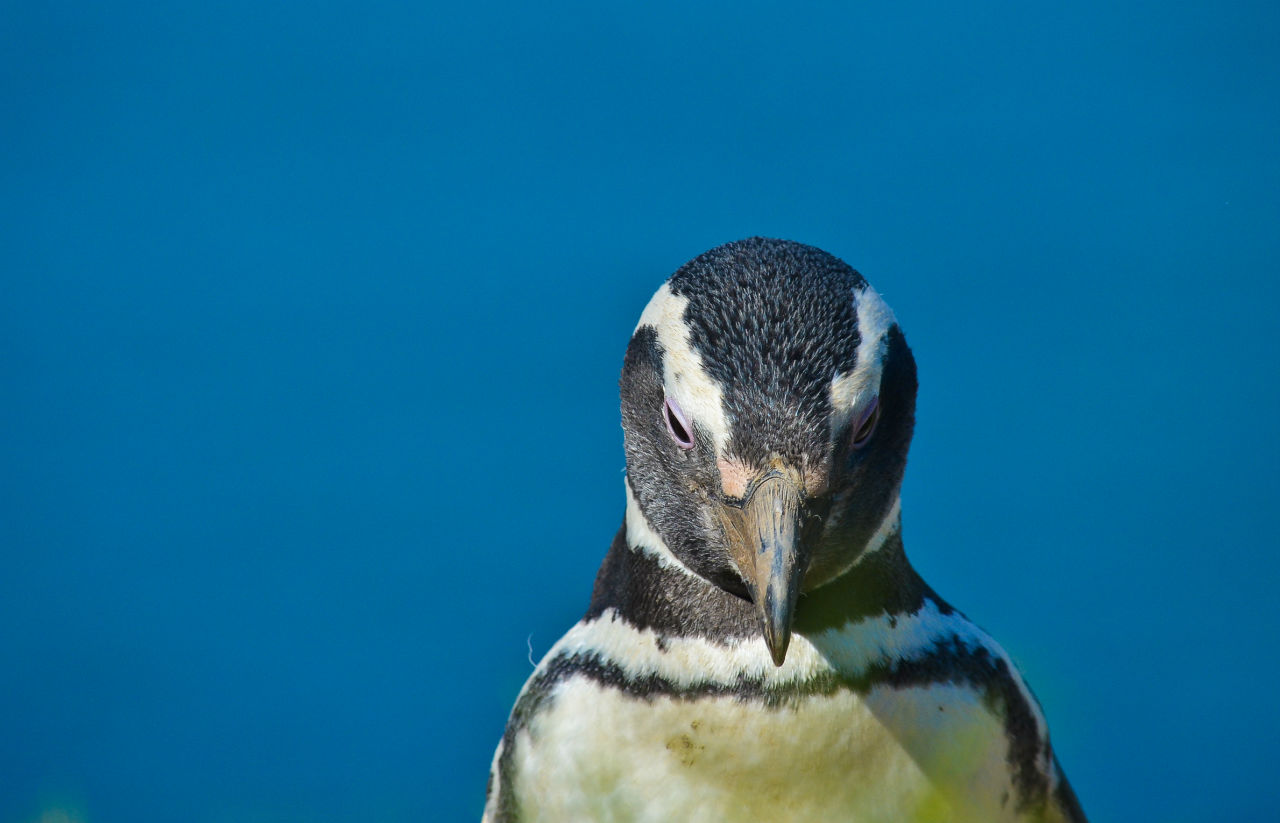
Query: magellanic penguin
(757, 647)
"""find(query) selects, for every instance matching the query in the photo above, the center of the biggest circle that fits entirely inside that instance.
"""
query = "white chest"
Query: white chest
(889, 755)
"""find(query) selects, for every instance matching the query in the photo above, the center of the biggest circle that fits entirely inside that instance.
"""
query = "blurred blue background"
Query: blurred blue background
(312, 317)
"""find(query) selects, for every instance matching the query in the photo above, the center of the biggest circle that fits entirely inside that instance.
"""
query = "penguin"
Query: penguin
(757, 646)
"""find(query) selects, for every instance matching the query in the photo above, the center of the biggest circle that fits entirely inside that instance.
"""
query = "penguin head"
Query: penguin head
(768, 401)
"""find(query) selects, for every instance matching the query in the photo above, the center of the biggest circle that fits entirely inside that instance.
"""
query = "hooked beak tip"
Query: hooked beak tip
(764, 534)
(778, 648)
(776, 617)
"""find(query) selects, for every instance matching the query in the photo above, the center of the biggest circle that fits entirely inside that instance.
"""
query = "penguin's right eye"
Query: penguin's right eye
(677, 425)
(867, 423)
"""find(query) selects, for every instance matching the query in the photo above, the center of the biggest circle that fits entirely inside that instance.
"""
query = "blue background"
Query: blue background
(312, 317)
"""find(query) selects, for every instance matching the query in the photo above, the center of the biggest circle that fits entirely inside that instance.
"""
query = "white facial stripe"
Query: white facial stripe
(853, 389)
(888, 527)
(683, 378)
(641, 536)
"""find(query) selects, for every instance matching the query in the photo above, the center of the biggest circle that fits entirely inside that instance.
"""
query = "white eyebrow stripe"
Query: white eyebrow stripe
(855, 387)
(683, 376)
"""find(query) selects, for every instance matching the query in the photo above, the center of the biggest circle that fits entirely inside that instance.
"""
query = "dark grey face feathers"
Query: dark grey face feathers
(767, 364)
(773, 322)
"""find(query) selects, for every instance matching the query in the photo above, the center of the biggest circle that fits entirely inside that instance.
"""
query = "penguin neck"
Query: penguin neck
(644, 583)
(881, 582)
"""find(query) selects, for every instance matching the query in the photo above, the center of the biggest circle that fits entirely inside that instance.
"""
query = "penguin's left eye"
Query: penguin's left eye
(677, 425)
(866, 424)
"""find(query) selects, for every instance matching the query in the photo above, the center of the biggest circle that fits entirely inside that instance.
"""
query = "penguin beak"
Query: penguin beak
(764, 537)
